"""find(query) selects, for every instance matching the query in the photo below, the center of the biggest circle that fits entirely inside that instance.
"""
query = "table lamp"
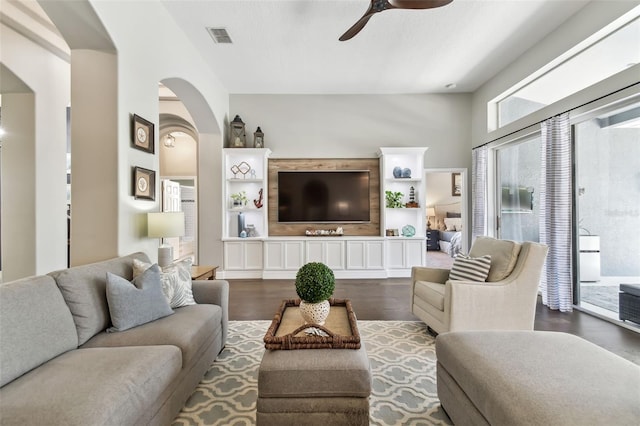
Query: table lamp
(431, 212)
(165, 225)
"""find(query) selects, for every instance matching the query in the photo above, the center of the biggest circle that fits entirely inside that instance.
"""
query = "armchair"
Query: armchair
(506, 301)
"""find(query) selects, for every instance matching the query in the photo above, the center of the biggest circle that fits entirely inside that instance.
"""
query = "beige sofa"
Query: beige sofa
(506, 301)
(59, 366)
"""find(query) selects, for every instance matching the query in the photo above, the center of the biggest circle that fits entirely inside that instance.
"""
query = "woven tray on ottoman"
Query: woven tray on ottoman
(287, 328)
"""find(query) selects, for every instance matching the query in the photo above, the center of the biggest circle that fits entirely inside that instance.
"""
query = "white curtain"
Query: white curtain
(479, 166)
(555, 213)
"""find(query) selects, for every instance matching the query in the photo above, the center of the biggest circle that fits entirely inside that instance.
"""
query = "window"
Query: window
(607, 199)
(615, 52)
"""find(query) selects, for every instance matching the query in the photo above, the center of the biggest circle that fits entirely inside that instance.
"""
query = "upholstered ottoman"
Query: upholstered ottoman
(629, 302)
(314, 387)
(534, 378)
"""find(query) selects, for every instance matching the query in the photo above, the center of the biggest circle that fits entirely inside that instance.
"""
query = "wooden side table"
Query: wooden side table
(203, 272)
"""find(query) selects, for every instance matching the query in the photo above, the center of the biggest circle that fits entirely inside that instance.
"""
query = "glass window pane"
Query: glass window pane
(518, 183)
(610, 55)
(608, 207)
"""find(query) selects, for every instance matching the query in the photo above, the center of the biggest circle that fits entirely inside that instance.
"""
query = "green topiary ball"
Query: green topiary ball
(315, 282)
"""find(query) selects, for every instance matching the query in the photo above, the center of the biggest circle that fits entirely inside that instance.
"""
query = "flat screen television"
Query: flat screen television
(323, 196)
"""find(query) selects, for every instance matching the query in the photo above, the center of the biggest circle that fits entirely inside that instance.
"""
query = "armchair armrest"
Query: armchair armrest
(500, 305)
(215, 292)
(432, 275)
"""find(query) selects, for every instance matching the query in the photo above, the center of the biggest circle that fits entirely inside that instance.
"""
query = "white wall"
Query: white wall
(152, 48)
(181, 160)
(47, 77)
(355, 126)
(592, 18)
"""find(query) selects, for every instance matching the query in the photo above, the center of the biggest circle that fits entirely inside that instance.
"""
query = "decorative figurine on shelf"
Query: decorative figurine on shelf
(251, 231)
(241, 230)
(258, 202)
(258, 138)
(412, 199)
(406, 173)
(237, 136)
(397, 172)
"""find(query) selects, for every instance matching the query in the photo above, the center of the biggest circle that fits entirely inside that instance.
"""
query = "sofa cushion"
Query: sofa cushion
(35, 325)
(189, 328)
(101, 386)
(432, 293)
(176, 281)
(504, 255)
(83, 288)
(138, 302)
(467, 268)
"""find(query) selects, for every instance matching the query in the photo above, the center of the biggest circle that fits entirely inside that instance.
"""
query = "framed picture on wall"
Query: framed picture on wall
(144, 184)
(456, 184)
(142, 134)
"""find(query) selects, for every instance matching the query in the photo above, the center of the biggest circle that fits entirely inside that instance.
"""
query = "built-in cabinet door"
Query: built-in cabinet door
(375, 255)
(233, 255)
(365, 255)
(415, 253)
(283, 255)
(395, 254)
(331, 253)
(243, 255)
(253, 255)
(405, 253)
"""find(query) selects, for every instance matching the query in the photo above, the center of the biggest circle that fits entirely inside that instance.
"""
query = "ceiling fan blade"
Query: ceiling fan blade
(374, 7)
(356, 28)
(418, 4)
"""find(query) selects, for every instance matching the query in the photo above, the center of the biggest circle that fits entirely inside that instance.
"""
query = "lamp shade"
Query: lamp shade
(431, 211)
(165, 224)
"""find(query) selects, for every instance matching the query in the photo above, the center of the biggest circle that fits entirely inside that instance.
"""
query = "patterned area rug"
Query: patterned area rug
(403, 363)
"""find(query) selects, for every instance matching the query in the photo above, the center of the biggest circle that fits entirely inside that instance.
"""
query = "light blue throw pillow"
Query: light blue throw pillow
(138, 302)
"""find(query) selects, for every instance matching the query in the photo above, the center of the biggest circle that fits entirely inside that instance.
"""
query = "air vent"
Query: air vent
(219, 35)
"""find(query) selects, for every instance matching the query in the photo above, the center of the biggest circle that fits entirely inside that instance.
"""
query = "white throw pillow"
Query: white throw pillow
(467, 268)
(453, 223)
(176, 281)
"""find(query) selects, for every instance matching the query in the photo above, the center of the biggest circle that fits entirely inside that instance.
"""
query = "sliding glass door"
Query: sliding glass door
(607, 214)
(518, 180)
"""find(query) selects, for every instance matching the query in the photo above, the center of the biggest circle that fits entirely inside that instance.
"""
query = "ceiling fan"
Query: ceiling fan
(382, 5)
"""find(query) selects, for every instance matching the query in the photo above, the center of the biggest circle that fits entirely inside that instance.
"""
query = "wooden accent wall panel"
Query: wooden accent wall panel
(371, 228)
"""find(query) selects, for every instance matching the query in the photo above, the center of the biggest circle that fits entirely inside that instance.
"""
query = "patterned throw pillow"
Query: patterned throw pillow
(467, 268)
(176, 281)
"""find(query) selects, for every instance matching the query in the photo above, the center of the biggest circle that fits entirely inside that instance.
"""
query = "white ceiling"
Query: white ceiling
(292, 47)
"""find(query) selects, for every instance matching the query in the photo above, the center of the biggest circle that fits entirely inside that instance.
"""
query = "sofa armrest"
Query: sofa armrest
(432, 275)
(215, 292)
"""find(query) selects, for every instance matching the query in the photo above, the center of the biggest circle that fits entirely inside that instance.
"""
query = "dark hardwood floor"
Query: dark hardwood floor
(388, 299)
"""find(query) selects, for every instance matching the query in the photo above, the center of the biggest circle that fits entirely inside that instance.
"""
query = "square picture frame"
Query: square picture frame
(144, 184)
(142, 134)
(456, 184)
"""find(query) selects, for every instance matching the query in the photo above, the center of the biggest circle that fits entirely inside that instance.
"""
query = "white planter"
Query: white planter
(315, 313)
